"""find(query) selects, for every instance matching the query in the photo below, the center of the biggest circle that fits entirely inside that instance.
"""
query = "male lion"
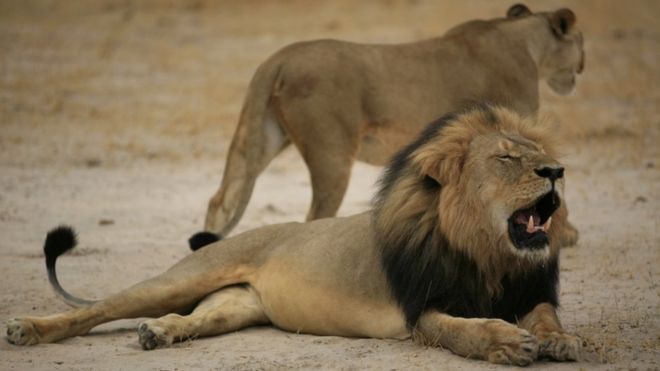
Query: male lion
(339, 101)
(459, 252)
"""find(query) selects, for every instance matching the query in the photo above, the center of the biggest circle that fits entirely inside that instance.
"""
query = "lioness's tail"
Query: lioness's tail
(58, 241)
(259, 137)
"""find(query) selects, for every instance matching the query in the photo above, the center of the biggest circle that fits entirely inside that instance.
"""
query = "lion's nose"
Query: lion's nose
(552, 173)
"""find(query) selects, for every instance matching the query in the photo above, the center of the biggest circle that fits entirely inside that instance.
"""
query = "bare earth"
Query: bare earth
(115, 117)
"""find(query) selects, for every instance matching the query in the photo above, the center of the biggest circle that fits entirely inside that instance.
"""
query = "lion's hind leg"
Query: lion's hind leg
(35, 330)
(176, 290)
(494, 340)
(226, 310)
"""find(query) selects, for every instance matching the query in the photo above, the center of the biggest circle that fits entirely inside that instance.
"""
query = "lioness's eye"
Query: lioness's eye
(504, 157)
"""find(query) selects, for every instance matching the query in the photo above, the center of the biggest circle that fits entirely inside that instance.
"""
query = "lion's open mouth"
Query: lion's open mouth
(528, 227)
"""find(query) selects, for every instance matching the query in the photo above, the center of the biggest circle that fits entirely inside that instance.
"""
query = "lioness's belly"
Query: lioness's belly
(327, 280)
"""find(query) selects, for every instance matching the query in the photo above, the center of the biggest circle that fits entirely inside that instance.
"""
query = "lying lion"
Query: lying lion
(459, 252)
(339, 101)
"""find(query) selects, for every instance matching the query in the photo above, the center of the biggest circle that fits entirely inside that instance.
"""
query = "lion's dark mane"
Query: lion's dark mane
(433, 275)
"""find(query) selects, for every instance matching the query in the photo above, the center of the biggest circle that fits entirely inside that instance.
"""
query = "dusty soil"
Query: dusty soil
(116, 116)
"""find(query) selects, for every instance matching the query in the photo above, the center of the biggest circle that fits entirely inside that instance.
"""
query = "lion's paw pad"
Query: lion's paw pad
(521, 353)
(21, 332)
(559, 346)
(512, 345)
(152, 336)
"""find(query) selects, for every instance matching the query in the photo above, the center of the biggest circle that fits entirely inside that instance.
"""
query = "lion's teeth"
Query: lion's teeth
(530, 225)
(546, 225)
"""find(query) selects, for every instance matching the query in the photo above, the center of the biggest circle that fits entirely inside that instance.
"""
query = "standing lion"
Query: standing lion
(339, 101)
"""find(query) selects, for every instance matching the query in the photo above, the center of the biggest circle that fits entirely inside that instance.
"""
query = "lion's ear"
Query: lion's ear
(518, 10)
(562, 21)
(442, 161)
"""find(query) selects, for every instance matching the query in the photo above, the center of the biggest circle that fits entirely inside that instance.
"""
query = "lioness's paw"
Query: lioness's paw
(21, 332)
(559, 346)
(569, 236)
(510, 345)
(153, 336)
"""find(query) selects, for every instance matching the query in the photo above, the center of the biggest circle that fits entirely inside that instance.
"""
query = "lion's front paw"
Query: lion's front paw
(21, 332)
(559, 346)
(510, 344)
(153, 336)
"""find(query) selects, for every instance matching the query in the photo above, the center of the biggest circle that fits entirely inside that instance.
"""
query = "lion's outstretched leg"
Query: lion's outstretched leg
(175, 290)
(252, 149)
(494, 340)
(223, 311)
(554, 342)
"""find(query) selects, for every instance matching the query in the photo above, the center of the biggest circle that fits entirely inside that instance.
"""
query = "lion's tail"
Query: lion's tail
(58, 241)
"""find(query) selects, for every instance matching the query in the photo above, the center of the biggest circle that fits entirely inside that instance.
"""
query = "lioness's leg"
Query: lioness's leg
(329, 160)
(491, 339)
(223, 311)
(568, 234)
(327, 137)
(543, 322)
(252, 149)
(329, 183)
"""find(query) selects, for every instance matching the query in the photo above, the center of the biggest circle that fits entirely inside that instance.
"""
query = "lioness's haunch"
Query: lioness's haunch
(338, 102)
(460, 251)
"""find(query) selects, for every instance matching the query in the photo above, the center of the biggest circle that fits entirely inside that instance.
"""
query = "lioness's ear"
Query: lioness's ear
(518, 10)
(562, 21)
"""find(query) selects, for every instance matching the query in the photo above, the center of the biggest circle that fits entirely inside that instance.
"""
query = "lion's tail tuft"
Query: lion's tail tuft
(58, 241)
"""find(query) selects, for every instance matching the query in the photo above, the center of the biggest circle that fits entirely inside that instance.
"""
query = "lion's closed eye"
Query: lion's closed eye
(507, 157)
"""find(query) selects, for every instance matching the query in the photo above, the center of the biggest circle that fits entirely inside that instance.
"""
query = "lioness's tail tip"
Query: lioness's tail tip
(58, 241)
(201, 239)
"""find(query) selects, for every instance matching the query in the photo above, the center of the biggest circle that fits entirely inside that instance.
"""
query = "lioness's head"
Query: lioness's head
(555, 42)
(486, 181)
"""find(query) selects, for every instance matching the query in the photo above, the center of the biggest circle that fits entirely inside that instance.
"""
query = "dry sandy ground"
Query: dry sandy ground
(115, 118)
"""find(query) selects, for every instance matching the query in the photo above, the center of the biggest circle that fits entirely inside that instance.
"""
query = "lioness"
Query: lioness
(459, 252)
(339, 101)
